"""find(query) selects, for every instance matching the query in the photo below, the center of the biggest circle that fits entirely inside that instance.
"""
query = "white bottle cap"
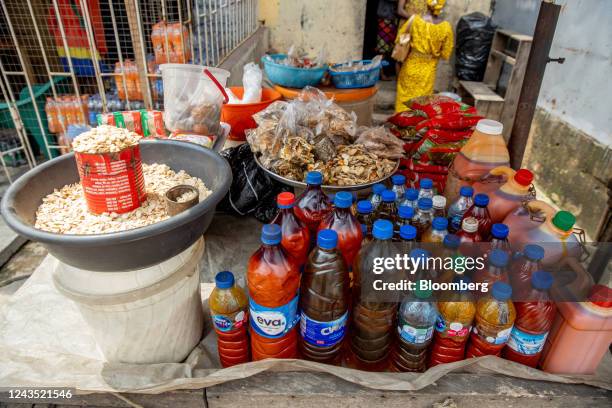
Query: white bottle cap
(439, 201)
(470, 224)
(490, 127)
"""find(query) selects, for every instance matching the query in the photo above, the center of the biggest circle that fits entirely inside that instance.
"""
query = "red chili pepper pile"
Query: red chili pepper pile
(434, 129)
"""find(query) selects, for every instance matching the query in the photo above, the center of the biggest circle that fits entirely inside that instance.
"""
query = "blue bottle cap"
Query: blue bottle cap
(451, 241)
(405, 211)
(466, 191)
(388, 196)
(419, 253)
(383, 229)
(481, 200)
(501, 291)
(314, 178)
(498, 258)
(541, 280)
(408, 232)
(439, 223)
(398, 179)
(534, 252)
(364, 207)
(500, 231)
(426, 183)
(462, 278)
(327, 238)
(411, 194)
(224, 280)
(271, 234)
(343, 199)
(378, 188)
(425, 203)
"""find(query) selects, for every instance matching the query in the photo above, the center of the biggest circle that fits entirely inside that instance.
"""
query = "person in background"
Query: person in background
(386, 32)
(431, 38)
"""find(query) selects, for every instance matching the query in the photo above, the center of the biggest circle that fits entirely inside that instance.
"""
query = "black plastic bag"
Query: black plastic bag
(252, 191)
(475, 33)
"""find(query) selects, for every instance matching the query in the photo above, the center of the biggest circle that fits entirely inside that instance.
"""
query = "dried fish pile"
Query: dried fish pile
(313, 133)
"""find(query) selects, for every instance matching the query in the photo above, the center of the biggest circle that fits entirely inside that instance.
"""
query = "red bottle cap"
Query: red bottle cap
(601, 296)
(285, 199)
(524, 177)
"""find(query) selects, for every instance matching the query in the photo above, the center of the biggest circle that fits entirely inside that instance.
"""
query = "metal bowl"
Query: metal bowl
(128, 250)
(327, 188)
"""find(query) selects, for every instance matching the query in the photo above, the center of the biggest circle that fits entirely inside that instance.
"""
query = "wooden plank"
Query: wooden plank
(503, 57)
(293, 389)
(480, 91)
(513, 91)
(494, 65)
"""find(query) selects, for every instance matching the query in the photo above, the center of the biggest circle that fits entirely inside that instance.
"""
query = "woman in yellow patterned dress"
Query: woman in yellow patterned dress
(431, 38)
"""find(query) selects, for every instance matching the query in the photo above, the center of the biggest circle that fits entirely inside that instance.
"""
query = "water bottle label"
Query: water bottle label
(526, 343)
(501, 338)
(414, 335)
(226, 323)
(454, 329)
(274, 322)
(323, 334)
(455, 221)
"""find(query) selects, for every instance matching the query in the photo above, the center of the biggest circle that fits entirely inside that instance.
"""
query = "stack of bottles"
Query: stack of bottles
(127, 80)
(309, 283)
(66, 110)
(170, 43)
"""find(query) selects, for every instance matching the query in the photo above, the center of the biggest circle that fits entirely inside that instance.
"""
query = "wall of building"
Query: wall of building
(312, 24)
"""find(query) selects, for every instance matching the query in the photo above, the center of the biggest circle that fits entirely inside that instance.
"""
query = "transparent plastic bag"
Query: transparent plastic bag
(380, 141)
(251, 81)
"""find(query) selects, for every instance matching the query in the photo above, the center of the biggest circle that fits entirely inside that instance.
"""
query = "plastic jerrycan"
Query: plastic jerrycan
(228, 306)
(373, 319)
(296, 236)
(484, 151)
(505, 198)
(324, 301)
(273, 279)
(538, 223)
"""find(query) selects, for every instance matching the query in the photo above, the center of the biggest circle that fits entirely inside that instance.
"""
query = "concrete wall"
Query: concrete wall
(570, 142)
(250, 50)
(311, 24)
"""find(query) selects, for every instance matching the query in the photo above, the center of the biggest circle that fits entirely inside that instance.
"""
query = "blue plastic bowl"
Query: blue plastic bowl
(358, 79)
(291, 77)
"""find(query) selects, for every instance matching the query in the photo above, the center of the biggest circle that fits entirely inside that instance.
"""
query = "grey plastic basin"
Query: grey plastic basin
(120, 251)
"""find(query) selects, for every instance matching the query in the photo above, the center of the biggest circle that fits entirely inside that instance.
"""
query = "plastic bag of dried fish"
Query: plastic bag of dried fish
(380, 141)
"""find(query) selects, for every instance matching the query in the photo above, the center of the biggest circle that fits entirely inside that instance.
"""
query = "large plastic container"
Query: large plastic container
(240, 116)
(145, 316)
(292, 77)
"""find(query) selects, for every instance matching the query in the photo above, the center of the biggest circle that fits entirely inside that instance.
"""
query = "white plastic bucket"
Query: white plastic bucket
(192, 100)
(141, 318)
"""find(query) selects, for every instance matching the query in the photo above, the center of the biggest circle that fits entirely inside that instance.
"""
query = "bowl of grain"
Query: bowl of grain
(47, 205)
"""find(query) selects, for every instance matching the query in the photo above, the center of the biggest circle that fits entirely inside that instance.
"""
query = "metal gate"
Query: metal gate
(63, 61)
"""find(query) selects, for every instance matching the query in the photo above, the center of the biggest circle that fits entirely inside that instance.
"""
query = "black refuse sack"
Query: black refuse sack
(475, 33)
(252, 192)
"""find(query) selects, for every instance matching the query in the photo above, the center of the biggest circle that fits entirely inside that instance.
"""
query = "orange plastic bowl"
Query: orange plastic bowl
(240, 117)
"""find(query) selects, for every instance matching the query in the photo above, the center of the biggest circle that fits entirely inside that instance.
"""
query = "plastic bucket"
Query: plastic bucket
(240, 116)
(292, 77)
(148, 316)
(192, 101)
(112, 182)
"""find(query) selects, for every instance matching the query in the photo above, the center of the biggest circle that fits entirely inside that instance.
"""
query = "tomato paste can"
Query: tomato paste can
(112, 182)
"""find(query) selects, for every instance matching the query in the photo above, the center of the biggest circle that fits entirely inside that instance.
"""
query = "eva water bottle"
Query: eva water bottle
(273, 279)
(313, 205)
(296, 236)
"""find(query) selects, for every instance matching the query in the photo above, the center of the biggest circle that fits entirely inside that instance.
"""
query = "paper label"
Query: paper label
(526, 343)
(274, 322)
(323, 334)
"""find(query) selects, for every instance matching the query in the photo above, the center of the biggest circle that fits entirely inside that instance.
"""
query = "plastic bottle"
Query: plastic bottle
(407, 242)
(346, 225)
(423, 217)
(404, 217)
(479, 211)
(524, 267)
(51, 112)
(496, 269)
(399, 187)
(485, 150)
(426, 188)
(120, 81)
(365, 217)
(228, 306)
(506, 197)
(373, 320)
(324, 301)
(416, 320)
(450, 244)
(458, 209)
(313, 205)
(537, 222)
(387, 209)
(411, 197)
(499, 238)
(495, 315)
(534, 318)
(437, 232)
(273, 280)
(158, 33)
(439, 206)
(453, 325)
(376, 196)
(296, 236)
(469, 231)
